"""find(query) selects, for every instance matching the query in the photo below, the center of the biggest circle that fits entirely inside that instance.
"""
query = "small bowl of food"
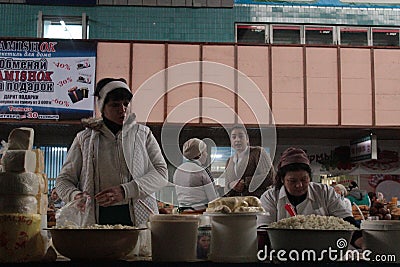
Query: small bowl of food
(97, 242)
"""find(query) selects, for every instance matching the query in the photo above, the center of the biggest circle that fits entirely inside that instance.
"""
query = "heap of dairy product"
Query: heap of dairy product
(235, 205)
(23, 199)
(313, 222)
(97, 226)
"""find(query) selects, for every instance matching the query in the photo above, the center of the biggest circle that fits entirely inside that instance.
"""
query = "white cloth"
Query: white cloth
(347, 203)
(194, 187)
(143, 158)
(261, 171)
(238, 157)
(321, 200)
(115, 172)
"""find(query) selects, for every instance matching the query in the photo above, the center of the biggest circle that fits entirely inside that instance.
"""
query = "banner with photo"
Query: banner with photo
(47, 79)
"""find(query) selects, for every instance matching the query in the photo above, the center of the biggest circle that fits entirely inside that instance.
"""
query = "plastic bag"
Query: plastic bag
(74, 214)
(143, 246)
(145, 242)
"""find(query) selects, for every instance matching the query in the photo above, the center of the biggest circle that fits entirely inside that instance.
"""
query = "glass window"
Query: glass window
(61, 30)
(250, 33)
(63, 27)
(385, 37)
(353, 36)
(54, 158)
(319, 35)
(282, 34)
(219, 156)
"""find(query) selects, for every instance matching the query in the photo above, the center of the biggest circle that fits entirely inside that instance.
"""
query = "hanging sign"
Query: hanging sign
(364, 149)
(47, 80)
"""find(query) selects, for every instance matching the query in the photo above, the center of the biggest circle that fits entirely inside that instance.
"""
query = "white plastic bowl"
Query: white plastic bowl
(233, 237)
(174, 237)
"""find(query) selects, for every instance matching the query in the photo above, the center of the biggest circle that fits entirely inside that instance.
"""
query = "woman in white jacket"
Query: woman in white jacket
(194, 184)
(115, 161)
(293, 186)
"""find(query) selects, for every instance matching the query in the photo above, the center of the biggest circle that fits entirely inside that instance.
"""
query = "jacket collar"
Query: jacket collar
(282, 192)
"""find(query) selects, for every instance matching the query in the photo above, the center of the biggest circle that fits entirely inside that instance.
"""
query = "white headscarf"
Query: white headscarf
(111, 86)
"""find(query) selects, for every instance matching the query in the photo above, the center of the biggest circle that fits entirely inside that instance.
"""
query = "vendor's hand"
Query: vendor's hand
(81, 195)
(110, 196)
(82, 204)
(239, 186)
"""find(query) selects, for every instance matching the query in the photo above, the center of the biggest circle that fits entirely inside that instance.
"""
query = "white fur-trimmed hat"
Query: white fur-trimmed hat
(103, 89)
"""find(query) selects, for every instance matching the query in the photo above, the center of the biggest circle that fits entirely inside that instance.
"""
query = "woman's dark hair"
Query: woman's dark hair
(281, 173)
(372, 195)
(353, 185)
(118, 94)
(238, 127)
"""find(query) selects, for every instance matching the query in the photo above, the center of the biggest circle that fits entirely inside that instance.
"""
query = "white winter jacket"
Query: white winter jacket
(321, 200)
(143, 161)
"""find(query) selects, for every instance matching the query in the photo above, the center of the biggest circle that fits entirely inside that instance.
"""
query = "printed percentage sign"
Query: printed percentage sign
(61, 102)
(62, 65)
(65, 81)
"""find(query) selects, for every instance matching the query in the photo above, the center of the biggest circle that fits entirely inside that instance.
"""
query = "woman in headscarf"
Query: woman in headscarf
(115, 161)
(358, 196)
(194, 184)
(293, 186)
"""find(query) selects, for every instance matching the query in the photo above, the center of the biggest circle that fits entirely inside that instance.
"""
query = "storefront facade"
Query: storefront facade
(316, 96)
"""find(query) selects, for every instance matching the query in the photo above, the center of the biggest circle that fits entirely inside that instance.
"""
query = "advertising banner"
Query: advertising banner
(47, 79)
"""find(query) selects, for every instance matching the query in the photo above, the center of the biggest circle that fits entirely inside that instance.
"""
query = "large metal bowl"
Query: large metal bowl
(309, 245)
(94, 244)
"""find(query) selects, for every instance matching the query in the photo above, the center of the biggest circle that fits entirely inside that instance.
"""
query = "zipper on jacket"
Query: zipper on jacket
(119, 165)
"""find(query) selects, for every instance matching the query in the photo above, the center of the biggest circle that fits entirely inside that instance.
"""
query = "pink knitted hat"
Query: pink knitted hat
(293, 155)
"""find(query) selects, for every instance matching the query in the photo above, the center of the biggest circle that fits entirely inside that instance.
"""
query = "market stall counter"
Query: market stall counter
(148, 263)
